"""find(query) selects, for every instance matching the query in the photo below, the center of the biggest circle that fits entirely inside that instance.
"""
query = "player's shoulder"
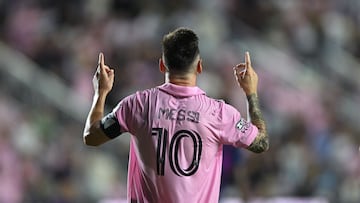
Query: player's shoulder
(215, 101)
(136, 100)
(142, 96)
(214, 104)
(146, 92)
(222, 105)
(220, 101)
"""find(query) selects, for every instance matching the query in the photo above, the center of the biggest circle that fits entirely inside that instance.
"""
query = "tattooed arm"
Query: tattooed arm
(261, 142)
(248, 81)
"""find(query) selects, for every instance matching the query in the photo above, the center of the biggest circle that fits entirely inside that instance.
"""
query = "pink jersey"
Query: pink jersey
(176, 143)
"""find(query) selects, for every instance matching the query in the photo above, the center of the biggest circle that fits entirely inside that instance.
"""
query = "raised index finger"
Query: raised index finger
(101, 59)
(247, 59)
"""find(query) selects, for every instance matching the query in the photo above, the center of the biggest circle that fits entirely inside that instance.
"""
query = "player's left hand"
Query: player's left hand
(104, 77)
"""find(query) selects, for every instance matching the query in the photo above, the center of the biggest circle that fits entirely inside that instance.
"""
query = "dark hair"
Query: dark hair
(180, 47)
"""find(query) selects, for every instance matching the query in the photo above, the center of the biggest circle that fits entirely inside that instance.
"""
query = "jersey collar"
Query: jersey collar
(181, 91)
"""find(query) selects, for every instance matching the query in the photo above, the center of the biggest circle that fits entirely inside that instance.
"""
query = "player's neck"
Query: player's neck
(183, 80)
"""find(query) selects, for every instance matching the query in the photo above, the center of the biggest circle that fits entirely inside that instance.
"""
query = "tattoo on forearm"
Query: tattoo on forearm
(261, 142)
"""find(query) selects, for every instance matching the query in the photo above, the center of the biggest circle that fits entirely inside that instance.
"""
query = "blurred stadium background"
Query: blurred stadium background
(307, 54)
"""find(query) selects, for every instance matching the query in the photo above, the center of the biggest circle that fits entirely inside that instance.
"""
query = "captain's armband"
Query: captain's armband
(110, 125)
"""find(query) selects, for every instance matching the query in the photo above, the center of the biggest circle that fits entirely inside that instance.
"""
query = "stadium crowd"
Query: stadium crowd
(314, 148)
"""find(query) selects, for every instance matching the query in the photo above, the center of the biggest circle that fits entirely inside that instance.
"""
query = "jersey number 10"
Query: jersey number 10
(162, 135)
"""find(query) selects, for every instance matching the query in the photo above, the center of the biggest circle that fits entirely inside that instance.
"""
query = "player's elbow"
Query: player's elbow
(90, 137)
(260, 150)
(89, 140)
(94, 136)
(263, 148)
(260, 146)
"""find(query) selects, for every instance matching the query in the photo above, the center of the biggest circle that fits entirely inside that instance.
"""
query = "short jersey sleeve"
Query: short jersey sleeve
(117, 121)
(130, 113)
(236, 130)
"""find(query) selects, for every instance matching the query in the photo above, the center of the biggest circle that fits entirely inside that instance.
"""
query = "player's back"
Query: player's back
(177, 157)
(176, 147)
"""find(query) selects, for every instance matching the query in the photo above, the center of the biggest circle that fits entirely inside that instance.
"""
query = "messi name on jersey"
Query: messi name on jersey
(178, 114)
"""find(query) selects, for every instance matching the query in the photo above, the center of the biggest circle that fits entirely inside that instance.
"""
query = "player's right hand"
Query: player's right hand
(246, 76)
(104, 77)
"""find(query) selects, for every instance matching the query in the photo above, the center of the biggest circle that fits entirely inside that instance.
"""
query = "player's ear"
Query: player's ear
(162, 67)
(199, 66)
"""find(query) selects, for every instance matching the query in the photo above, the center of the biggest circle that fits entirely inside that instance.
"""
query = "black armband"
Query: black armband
(110, 125)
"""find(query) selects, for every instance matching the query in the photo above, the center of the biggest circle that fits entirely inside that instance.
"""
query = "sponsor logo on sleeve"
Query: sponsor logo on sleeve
(243, 125)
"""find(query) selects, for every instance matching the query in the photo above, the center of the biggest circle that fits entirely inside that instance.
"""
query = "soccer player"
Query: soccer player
(177, 132)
